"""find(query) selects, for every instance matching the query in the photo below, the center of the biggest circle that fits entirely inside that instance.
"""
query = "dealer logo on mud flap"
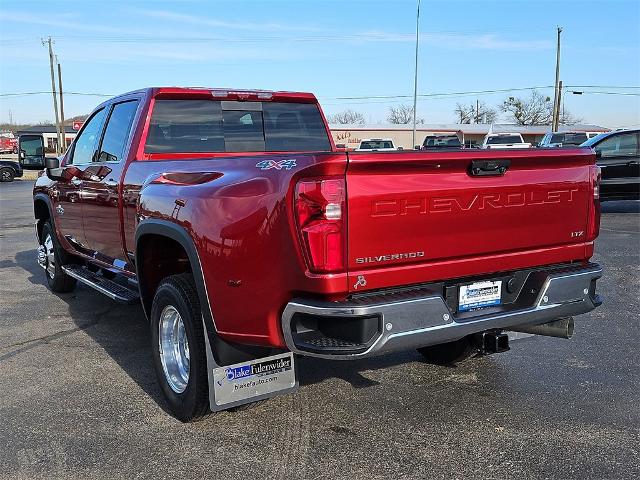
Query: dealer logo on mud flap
(247, 380)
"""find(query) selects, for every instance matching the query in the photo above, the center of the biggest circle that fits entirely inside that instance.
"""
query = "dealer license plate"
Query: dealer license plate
(255, 378)
(479, 295)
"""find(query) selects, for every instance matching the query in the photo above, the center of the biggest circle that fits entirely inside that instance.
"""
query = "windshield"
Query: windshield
(504, 139)
(376, 144)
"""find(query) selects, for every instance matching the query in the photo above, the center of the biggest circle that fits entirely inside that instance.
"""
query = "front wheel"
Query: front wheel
(178, 345)
(51, 257)
(449, 353)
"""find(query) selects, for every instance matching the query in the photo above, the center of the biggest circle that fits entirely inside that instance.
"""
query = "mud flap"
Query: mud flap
(250, 381)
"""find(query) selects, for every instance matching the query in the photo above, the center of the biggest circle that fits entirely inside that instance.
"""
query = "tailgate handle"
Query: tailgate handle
(484, 168)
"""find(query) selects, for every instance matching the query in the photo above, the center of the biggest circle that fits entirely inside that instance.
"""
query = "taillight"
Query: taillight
(595, 176)
(320, 213)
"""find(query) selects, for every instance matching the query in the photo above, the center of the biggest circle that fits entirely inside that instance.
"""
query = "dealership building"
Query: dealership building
(470, 134)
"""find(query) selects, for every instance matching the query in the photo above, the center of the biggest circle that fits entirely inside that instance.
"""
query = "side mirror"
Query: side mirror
(52, 166)
(22, 154)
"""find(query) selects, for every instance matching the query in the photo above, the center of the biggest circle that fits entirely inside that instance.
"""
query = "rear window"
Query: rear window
(200, 126)
(574, 138)
(504, 139)
(447, 141)
(376, 144)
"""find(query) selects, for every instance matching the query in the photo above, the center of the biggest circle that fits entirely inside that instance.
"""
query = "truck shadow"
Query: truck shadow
(122, 332)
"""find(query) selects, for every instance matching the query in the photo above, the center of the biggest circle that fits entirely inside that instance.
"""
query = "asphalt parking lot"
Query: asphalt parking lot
(79, 397)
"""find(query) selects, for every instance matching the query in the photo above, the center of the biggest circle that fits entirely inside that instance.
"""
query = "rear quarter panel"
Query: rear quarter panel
(240, 218)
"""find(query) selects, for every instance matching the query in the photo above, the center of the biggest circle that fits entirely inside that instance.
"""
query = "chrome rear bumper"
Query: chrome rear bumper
(420, 318)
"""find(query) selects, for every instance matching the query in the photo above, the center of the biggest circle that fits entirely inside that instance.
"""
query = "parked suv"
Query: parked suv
(618, 156)
(563, 139)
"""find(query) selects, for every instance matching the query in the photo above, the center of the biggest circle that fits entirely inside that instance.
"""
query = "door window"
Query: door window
(625, 145)
(117, 132)
(87, 141)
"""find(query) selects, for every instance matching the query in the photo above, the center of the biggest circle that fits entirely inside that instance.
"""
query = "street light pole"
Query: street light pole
(415, 78)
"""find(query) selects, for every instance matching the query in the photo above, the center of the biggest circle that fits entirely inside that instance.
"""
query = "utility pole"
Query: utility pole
(556, 96)
(62, 132)
(559, 100)
(53, 90)
(415, 78)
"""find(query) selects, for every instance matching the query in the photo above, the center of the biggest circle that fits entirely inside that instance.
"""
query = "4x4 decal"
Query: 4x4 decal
(269, 164)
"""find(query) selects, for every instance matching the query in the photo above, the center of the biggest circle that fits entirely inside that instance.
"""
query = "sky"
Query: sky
(335, 49)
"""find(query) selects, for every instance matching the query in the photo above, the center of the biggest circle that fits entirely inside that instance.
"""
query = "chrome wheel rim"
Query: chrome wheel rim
(50, 256)
(174, 349)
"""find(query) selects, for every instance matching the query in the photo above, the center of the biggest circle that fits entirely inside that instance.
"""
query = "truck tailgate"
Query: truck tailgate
(418, 217)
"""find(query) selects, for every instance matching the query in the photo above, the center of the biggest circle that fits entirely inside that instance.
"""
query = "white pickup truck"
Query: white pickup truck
(504, 140)
(376, 145)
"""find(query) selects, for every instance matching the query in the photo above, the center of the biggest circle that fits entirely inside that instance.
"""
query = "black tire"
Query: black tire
(57, 279)
(449, 353)
(179, 292)
(7, 174)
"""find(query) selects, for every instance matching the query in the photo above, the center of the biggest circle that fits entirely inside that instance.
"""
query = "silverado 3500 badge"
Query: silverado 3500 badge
(390, 257)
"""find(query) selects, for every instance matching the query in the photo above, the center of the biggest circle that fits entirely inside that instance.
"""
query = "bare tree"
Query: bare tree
(402, 114)
(347, 117)
(535, 110)
(567, 118)
(475, 113)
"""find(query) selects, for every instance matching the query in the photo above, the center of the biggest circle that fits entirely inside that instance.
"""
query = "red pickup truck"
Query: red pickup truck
(248, 238)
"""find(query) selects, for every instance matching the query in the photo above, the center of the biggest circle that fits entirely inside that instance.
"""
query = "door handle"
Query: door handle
(111, 183)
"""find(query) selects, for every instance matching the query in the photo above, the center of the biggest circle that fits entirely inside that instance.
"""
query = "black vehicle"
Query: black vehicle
(619, 158)
(563, 139)
(432, 142)
(9, 170)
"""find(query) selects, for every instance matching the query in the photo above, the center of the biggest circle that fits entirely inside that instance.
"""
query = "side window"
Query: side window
(87, 142)
(618, 145)
(117, 132)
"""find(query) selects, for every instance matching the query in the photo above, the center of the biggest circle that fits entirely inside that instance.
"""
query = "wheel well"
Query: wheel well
(41, 213)
(158, 257)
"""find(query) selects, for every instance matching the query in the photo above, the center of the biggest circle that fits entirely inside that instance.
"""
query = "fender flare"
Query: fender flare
(164, 228)
(47, 201)
(224, 352)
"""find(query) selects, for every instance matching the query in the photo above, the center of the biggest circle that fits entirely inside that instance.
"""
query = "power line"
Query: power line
(24, 94)
(386, 98)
